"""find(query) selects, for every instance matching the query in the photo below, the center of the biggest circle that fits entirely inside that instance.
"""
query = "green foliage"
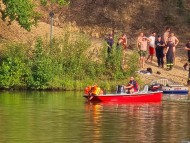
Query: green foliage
(13, 67)
(24, 11)
(41, 69)
(70, 64)
(43, 2)
(61, 2)
(113, 63)
(21, 11)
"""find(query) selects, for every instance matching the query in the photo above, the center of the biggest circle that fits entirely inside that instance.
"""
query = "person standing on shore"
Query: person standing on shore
(122, 43)
(151, 47)
(110, 42)
(139, 39)
(160, 51)
(169, 54)
(142, 51)
(165, 38)
(166, 35)
(187, 48)
(175, 42)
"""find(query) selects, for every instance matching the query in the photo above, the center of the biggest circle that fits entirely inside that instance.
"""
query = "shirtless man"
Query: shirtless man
(122, 43)
(143, 49)
(172, 38)
(139, 38)
(166, 35)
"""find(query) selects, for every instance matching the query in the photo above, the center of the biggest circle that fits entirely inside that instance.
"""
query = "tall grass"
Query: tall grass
(68, 65)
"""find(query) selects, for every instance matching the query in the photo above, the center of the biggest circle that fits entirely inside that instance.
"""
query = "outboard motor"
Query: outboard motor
(120, 89)
(155, 87)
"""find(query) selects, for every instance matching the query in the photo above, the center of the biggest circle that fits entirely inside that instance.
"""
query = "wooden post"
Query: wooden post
(51, 14)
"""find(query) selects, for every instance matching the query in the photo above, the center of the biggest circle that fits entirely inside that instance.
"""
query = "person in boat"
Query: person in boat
(93, 90)
(132, 86)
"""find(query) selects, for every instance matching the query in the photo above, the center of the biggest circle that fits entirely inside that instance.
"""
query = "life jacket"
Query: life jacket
(96, 90)
(87, 90)
(93, 90)
(136, 86)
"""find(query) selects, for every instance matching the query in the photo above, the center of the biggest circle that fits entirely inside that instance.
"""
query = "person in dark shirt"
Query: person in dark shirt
(159, 51)
(110, 42)
(187, 47)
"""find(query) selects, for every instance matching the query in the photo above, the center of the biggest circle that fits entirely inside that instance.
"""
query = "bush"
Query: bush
(13, 69)
(66, 65)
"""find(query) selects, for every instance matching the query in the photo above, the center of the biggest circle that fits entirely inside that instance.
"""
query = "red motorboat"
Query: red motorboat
(129, 98)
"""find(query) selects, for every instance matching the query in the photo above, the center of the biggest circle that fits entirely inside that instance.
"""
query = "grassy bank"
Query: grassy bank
(67, 65)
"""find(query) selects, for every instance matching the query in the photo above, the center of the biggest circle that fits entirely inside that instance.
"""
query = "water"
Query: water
(65, 117)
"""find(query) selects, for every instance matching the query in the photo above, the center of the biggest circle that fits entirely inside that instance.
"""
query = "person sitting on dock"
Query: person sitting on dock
(132, 86)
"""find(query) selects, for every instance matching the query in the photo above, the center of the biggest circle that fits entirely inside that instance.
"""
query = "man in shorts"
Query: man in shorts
(143, 49)
(151, 47)
(139, 38)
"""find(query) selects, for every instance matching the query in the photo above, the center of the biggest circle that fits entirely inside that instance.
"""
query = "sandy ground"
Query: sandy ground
(177, 74)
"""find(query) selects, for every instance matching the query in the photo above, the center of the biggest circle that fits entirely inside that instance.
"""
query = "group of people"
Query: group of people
(163, 46)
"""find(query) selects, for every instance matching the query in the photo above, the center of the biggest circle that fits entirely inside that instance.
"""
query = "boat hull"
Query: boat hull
(175, 90)
(129, 98)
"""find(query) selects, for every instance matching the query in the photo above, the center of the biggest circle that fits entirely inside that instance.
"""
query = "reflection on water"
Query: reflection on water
(126, 121)
(62, 117)
(176, 97)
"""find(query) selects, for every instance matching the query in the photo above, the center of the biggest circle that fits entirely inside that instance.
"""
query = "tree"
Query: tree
(23, 11)
(20, 10)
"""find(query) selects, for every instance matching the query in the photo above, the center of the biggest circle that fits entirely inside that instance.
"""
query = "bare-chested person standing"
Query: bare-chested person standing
(122, 43)
(165, 38)
(166, 35)
(139, 39)
(142, 51)
(175, 42)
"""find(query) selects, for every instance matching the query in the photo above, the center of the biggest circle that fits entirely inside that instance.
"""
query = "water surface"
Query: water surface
(65, 117)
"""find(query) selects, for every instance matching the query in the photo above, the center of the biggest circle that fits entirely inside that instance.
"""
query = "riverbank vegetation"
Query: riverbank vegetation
(70, 64)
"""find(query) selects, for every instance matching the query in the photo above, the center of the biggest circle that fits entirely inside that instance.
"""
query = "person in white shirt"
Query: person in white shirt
(151, 47)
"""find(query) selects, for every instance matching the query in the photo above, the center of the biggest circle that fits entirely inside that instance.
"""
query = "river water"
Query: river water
(65, 117)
